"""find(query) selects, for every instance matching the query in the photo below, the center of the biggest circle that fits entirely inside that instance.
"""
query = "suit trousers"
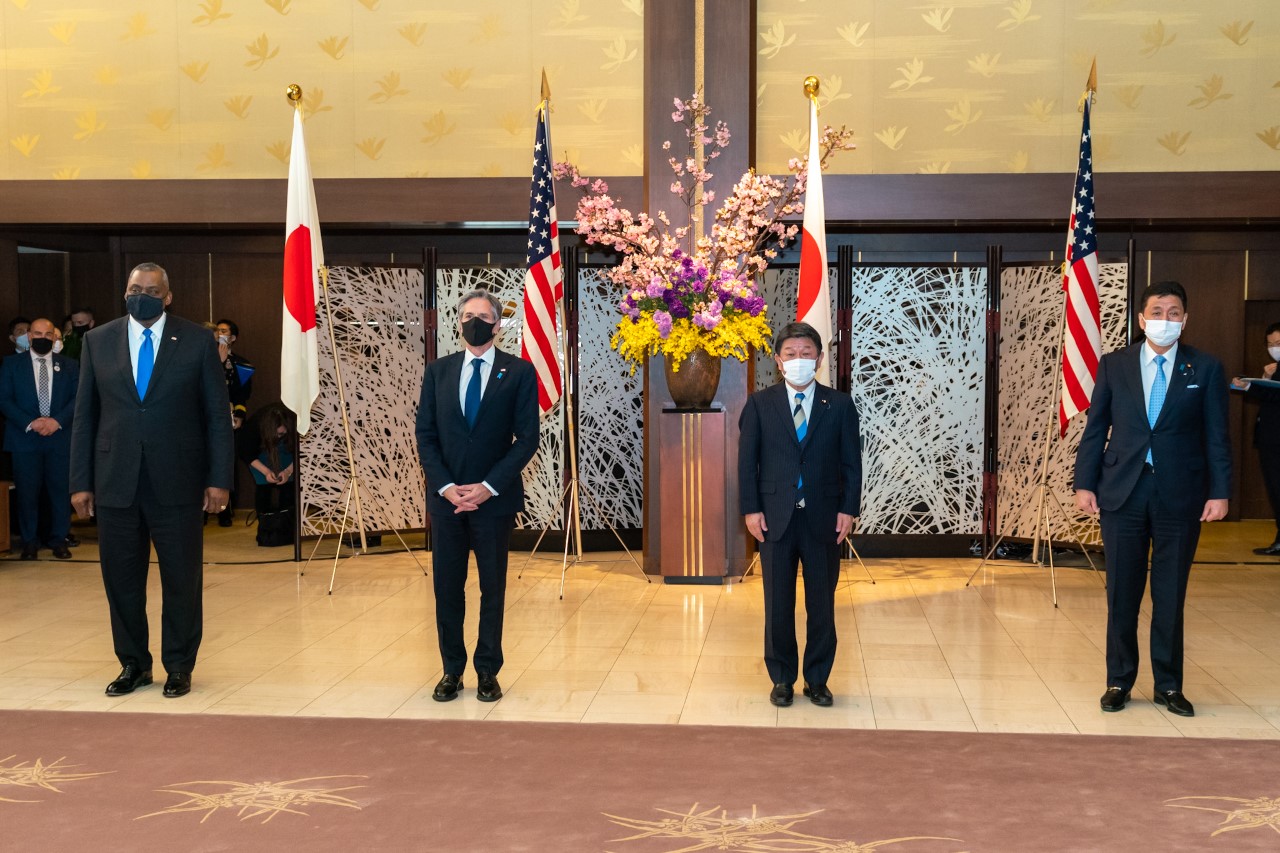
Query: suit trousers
(778, 561)
(1269, 456)
(1140, 526)
(453, 537)
(125, 537)
(35, 471)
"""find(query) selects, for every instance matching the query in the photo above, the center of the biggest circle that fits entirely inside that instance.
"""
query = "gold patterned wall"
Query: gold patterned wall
(194, 88)
(993, 85)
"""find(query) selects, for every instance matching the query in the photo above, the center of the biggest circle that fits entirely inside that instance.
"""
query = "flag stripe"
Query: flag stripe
(1082, 337)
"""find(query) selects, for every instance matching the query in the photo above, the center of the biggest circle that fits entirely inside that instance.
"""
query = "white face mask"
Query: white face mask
(1163, 333)
(1274, 352)
(22, 343)
(800, 371)
(225, 340)
(57, 346)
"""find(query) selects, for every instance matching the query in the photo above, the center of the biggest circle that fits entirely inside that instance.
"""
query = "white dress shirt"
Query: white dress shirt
(135, 340)
(486, 368)
(35, 372)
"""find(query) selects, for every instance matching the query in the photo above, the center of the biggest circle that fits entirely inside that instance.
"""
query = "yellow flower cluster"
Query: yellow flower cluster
(734, 336)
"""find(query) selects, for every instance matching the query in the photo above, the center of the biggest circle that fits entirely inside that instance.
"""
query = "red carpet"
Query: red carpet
(137, 782)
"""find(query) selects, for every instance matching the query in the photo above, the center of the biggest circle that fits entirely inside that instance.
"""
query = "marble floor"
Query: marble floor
(918, 648)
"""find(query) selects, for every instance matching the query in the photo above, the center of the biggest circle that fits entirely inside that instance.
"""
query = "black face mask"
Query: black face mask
(41, 346)
(143, 307)
(80, 329)
(477, 331)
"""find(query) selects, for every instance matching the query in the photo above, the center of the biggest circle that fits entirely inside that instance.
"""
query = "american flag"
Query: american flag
(1082, 341)
(543, 281)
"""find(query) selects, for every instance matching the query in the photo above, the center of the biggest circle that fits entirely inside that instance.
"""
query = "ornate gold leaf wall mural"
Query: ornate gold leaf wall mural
(993, 85)
(394, 88)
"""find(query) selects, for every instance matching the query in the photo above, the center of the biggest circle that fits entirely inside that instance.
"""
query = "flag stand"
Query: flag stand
(352, 487)
(573, 490)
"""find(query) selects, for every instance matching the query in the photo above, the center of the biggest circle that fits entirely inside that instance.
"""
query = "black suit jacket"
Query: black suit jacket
(180, 437)
(771, 459)
(1189, 443)
(1266, 428)
(503, 441)
(20, 402)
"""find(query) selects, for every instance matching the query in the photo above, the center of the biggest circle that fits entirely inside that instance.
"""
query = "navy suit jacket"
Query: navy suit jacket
(179, 437)
(500, 445)
(771, 459)
(21, 405)
(1190, 444)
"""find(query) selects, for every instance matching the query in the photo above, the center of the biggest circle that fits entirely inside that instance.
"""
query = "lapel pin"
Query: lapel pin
(57, 368)
(501, 372)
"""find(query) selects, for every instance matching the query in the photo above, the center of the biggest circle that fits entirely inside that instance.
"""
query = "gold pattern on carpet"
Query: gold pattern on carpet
(714, 829)
(1255, 813)
(251, 800)
(37, 774)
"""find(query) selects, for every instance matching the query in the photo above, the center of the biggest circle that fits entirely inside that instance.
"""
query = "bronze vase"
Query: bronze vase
(694, 385)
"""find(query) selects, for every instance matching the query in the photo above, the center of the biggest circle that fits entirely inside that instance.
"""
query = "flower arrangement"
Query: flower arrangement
(684, 291)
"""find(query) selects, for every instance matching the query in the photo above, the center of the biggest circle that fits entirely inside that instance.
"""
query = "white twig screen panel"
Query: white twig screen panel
(1031, 314)
(919, 382)
(919, 348)
(377, 324)
(543, 482)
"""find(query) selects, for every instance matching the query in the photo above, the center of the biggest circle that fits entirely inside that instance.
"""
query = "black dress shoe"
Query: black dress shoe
(447, 688)
(30, 552)
(62, 552)
(1272, 550)
(130, 679)
(1114, 699)
(819, 695)
(71, 540)
(224, 518)
(1175, 702)
(487, 689)
(781, 695)
(177, 684)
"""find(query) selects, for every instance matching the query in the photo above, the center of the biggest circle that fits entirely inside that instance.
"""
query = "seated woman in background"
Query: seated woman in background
(266, 446)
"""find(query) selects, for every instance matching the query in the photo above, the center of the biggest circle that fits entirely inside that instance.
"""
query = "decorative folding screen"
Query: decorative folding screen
(1031, 306)
(377, 324)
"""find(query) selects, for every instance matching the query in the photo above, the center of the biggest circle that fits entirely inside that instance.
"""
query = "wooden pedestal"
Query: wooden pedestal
(692, 482)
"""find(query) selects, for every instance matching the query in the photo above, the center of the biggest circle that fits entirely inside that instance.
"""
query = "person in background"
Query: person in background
(38, 398)
(1266, 431)
(81, 321)
(239, 377)
(1154, 463)
(18, 336)
(265, 444)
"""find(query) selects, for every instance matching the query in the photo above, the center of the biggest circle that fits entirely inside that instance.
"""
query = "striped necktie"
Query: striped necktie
(1159, 386)
(802, 427)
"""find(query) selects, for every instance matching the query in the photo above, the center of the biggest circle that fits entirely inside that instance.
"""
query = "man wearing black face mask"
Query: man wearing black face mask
(151, 448)
(477, 429)
(81, 323)
(38, 398)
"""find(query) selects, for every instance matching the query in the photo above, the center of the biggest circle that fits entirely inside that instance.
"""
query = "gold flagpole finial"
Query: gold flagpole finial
(811, 86)
(294, 93)
(546, 87)
(1092, 85)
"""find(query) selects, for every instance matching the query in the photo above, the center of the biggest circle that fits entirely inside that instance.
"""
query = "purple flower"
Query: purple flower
(657, 287)
(662, 320)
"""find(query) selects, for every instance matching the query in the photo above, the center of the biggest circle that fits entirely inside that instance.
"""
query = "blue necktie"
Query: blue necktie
(802, 427)
(471, 407)
(146, 361)
(1159, 386)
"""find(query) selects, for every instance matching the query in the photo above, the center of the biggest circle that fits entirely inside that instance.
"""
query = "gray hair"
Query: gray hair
(796, 330)
(147, 266)
(490, 298)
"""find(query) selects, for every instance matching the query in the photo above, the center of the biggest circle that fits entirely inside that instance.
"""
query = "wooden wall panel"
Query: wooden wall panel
(10, 276)
(43, 285)
(246, 289)
(96, 284)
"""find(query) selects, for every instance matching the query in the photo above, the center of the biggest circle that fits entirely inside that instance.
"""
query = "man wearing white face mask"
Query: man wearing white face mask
(1266, 431)
(1155, 461)
(800, 486)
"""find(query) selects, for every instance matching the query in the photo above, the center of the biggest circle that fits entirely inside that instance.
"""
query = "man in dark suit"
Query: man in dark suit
(800, 481)
(477, 430)
(1155, 460)
(38, 398)
(1266, 432)
(150, 451)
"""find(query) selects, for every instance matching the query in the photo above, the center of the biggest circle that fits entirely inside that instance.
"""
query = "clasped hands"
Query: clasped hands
(757, 526)
(45, 426)
(1214, 509)
(467, 498)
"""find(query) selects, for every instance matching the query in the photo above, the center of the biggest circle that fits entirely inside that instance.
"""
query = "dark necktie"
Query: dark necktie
(146, 361)
(42, 390)
(471, 407)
